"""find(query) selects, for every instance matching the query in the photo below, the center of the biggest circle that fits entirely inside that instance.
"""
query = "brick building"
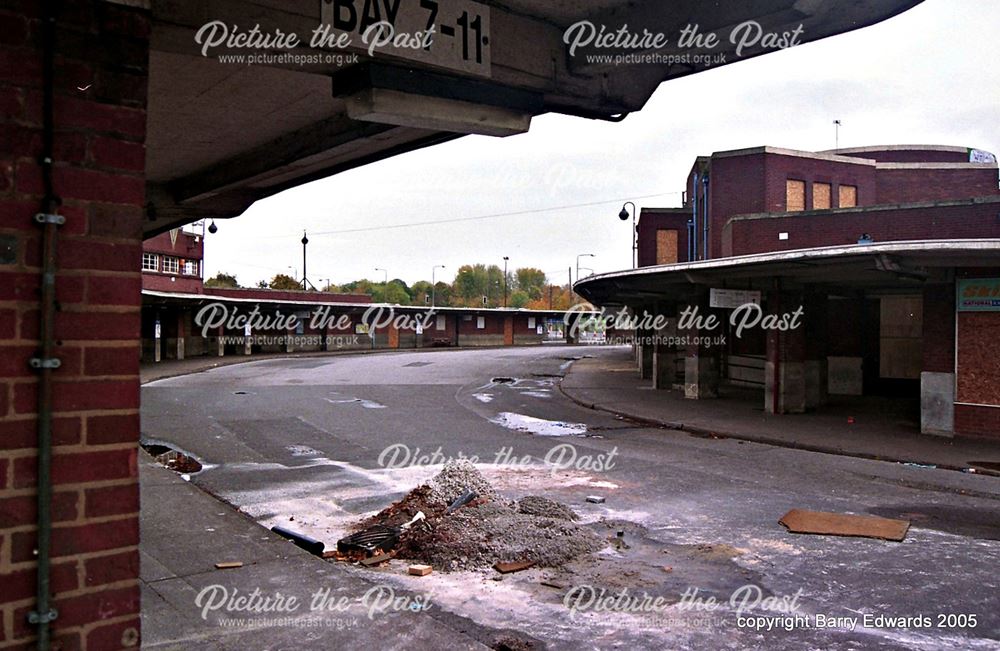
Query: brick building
(893, 252)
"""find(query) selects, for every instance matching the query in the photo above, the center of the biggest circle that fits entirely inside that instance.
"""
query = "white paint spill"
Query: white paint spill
(367, 404)
(541, 393)
(538, 426)
(483, 397)
(302, 451)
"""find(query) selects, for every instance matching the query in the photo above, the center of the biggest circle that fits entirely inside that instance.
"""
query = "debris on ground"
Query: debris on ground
(842, 524)
(376, 560)
(420, 570)
(488, 529)
(228, 565)
(301, 540)
(507, 568)
(595, 499)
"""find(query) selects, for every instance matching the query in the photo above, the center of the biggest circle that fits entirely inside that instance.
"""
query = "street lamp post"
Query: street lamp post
(434, 283)
(305, 241)
(505, 259)
(623, 215)
(582, 255)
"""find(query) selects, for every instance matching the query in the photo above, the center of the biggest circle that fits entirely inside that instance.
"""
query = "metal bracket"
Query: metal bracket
(47, 218)
(39, 363)
(35, 617)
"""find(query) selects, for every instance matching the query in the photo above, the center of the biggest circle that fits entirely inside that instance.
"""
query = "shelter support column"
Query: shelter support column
(785, 369)
(937, 376)
(701, 358)
(816, 317)
(664, 353)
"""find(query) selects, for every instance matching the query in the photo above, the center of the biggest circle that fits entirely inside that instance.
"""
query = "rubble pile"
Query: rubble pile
(486, 530)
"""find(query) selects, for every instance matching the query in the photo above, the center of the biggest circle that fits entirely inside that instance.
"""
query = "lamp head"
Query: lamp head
(212, 228)
(623, 215)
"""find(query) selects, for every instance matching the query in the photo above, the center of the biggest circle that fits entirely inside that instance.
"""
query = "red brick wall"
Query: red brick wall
(187, 246)
(99, 154)
(959, 220)
(180, 283)
(736, 187)
(909, 185)
(939, 328)
(971, 420)
(651, 221)
(781, 168)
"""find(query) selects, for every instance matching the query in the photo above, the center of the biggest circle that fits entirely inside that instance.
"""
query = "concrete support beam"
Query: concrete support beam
(937, 403)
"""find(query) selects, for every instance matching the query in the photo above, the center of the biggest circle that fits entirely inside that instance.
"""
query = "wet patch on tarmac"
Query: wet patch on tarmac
(983, 524)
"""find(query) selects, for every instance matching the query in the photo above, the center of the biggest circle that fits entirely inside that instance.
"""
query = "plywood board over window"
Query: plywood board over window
(795, 195)
(822, 195)
(978, 350)
(666, 246)
(848, 196)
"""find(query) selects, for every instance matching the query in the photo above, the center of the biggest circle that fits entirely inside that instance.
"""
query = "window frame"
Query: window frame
(171, 265)
(150, 256)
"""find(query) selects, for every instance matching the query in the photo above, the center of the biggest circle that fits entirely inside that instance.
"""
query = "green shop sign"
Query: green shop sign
(979, 295)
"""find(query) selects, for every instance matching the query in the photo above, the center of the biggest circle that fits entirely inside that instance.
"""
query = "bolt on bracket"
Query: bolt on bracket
(35, 617)
(48, 218)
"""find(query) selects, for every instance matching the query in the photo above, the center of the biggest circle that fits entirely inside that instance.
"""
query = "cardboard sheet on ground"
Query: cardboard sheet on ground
(842, 524)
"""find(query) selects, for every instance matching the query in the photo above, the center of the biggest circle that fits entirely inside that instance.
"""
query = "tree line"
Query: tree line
(475, 285)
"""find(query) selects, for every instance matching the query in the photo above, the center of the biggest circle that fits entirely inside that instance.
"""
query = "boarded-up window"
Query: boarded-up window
(795, 195)
(901, 337)
(666, 246)
(822, 194)
(848, 196)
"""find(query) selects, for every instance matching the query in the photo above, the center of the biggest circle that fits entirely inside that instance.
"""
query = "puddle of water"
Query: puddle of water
(540, 393)
(538, 426)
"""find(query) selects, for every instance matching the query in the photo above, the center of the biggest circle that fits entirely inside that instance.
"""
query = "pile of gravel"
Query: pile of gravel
(456, 478)
(490, 529)
(546, 508)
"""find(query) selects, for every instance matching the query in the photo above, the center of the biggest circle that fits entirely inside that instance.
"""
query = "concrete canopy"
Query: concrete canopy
(889, 267)
(223, 135)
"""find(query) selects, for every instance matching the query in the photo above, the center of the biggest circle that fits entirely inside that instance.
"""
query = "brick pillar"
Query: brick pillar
(784, 371)
(701, 362)
(99, 160)
(937, 377)
(816, 322)
(181, 332)
(664, 355)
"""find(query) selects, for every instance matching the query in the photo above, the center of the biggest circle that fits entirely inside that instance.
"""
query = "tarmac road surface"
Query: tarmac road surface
(315, 443)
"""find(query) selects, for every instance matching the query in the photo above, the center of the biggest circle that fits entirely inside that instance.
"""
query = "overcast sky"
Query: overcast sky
(928, 76)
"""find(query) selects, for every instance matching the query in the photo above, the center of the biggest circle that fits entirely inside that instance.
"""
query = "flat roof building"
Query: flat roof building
(892, 253)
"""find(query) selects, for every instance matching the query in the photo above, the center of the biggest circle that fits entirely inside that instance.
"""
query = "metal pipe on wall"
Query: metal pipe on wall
(45, 362)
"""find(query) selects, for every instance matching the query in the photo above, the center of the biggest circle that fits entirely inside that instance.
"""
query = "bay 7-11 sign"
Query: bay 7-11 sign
(450, 34)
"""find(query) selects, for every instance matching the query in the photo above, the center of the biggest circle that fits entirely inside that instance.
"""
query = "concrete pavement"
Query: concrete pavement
(185, 531)
(869, 429)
